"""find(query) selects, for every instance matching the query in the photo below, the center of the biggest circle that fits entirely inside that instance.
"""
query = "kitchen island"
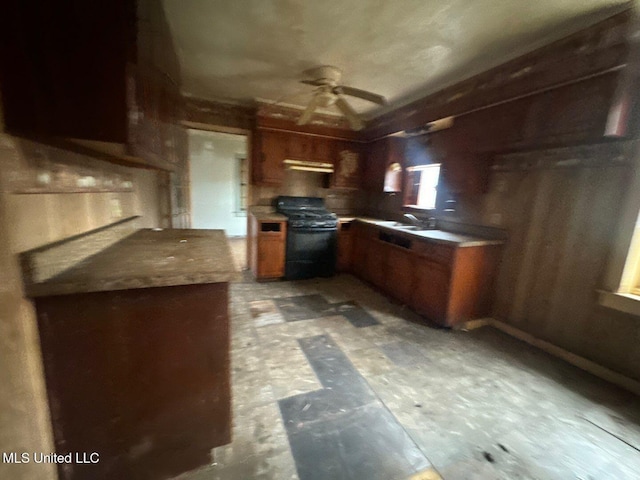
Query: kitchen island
(135, 342)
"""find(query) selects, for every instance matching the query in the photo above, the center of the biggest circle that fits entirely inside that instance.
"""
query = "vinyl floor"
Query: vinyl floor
(332, 381)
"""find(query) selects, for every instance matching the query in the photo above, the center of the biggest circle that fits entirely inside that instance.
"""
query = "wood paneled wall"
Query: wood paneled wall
(561, 211)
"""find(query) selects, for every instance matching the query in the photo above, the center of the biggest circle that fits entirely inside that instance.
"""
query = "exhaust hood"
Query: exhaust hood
(308, 166)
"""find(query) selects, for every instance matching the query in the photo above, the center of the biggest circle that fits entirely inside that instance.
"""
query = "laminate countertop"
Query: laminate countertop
(432, 235)
(148, 258)
(269, 217)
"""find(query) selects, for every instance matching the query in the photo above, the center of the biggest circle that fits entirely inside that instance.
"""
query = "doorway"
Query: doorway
(219, 177)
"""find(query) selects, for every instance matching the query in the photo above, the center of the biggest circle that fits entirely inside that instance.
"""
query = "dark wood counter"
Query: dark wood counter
(135, 341)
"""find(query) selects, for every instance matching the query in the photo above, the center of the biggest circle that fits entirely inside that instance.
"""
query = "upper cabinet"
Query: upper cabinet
(269, 151)
(463, 170)
(64, 68)
(94, 74)
(347, 165)
(385, 162)
(271, 148)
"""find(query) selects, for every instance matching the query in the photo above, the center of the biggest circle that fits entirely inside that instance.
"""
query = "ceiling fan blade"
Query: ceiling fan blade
(315, 83)
(363, 94)
(349, 113)
(308, 113)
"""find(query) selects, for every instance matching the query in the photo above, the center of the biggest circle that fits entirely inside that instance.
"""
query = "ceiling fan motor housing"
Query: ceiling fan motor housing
(326, 98)
(327, 73)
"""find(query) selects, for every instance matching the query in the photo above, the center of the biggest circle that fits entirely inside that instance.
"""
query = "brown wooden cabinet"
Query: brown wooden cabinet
(140, 376)
(362, 235)
(272, 147)
(299, 147)
(380, 155)
(269, 151)
(266, 244)
(430, 295)
(463, 170)
(322, 149)
(400, 275)
(375, 270)
(65, 72)
(446, 283)
(576, 113)
(345, 246)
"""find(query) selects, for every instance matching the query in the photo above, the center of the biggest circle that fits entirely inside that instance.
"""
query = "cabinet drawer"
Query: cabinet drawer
(435, 251)
(268, 229)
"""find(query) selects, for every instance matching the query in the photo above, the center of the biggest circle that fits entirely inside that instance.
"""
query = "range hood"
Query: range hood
(308, 166)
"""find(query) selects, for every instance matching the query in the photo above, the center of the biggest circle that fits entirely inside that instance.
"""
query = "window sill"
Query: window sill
(413, 208)
(623, 302)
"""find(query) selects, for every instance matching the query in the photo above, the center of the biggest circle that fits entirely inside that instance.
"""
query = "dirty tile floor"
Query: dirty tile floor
(332, 381)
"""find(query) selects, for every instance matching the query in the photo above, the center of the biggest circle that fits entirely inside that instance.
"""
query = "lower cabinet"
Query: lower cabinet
(140, 376)
(345, 246)
(447, 284)
(401, 275)
(361, 240)
(267, 242)
(430, 295)
(375, 269)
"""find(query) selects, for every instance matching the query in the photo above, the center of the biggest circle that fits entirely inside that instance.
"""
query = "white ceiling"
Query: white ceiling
(242, 50)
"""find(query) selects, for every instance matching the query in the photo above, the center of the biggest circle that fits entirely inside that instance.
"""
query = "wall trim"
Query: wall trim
(582, 363)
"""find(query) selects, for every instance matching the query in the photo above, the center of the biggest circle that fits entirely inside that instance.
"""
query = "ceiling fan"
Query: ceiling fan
(329, 92)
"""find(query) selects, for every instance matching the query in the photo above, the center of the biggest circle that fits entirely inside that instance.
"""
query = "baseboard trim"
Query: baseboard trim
(582, 363)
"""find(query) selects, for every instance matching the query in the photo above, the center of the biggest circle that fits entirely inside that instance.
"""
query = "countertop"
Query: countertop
(269, 217)
(437, 236)
(148, 258)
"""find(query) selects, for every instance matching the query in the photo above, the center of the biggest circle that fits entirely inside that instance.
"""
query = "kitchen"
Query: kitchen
(493, 336)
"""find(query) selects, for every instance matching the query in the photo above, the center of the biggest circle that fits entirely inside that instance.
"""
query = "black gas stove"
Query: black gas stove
(311, 237)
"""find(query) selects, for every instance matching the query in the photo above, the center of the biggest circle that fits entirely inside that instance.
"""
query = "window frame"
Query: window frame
(621, 284)
(412, 190)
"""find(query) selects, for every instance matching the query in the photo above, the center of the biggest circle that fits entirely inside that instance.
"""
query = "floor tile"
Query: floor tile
(357, 316)
(265, 312)
(304, 307)
(368, 443)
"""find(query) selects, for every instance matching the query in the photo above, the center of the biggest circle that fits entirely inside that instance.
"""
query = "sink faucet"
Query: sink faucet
(429, 223)
(413, 219)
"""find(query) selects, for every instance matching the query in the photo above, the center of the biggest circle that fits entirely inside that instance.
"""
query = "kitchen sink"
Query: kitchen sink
(390, 223)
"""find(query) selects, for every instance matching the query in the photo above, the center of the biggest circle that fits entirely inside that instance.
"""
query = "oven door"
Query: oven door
(311, 252)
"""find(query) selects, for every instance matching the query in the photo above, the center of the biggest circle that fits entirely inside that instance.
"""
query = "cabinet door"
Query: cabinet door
(270, 169)
(377, 262)
(360, 250)
(299, 147)
(375, 166)
(347, 165)
(345, 247)
(322, 150)
(271, 250)
(431, 290)
(400, 273)
(578, 112)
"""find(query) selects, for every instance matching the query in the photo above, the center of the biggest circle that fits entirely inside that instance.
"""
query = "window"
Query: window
(621, 283)
(630, 281)
(422, 186)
